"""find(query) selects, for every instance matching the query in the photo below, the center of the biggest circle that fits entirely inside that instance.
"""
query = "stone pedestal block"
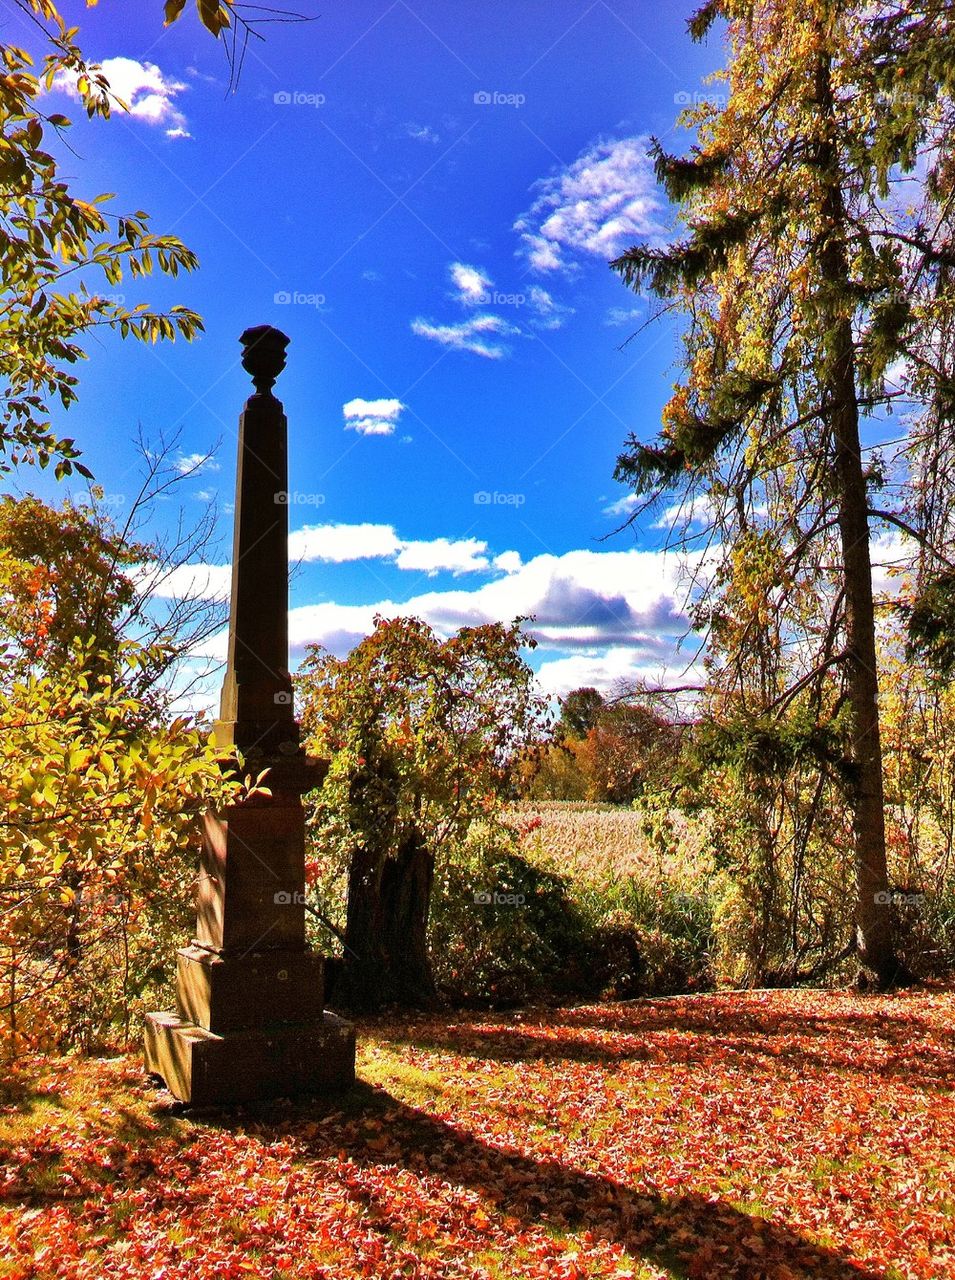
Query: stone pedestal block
(253, 864)
(209, 1070)
(263, 989)
(250, 895)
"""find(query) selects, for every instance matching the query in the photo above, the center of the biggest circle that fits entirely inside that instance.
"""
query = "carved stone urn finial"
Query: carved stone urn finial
(263, 355)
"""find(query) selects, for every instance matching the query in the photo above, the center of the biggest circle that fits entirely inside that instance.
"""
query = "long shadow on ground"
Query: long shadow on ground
(695, 1237)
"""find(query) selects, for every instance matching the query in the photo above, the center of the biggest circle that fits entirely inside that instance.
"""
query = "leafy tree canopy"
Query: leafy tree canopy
(59, 248)
(442, 720)
(579, 711)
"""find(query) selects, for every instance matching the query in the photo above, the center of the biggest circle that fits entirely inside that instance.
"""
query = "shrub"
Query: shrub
(529, 941)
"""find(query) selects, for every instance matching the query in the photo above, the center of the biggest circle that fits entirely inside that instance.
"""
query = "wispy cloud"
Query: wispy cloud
(546, 312)
(186, 581)
(422, 133)
(372, 417)
(599, 205)
(470, 335)
(619, 316)
(147, 91)
(690, 511)
(473, 287)
(194, 463)
(623, 506)
(697, 510)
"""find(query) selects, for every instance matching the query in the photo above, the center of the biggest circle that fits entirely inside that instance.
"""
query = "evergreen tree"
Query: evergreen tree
(805, 273)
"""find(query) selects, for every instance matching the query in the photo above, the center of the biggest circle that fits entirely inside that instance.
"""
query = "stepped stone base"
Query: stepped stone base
(207, 1070)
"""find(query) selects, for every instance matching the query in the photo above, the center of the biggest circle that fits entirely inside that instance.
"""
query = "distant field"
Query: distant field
(601, 841)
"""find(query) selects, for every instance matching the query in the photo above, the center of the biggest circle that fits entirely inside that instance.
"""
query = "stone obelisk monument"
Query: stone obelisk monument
(250, 1020)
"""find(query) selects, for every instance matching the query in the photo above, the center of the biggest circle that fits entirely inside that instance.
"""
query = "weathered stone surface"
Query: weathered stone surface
(253, 866)
(208, 1070)
(262, 989)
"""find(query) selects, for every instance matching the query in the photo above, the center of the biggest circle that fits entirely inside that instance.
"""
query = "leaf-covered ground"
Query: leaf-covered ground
(771, 1135)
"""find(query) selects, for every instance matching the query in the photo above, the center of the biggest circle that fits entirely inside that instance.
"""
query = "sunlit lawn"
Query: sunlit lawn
(777, 1135)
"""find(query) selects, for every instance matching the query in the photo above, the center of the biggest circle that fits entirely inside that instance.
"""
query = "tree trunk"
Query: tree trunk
(841, 407)
(873, 918)
(362, 982)
(386, 957)
(406, 897)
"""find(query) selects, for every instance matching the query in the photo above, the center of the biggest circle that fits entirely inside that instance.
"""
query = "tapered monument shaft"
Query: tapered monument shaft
(256, 712)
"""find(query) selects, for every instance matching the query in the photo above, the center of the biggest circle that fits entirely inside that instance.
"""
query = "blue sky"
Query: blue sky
(424, 198)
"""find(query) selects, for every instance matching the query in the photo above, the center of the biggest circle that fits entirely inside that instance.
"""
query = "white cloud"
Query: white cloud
(542, 254)
(581, 600)
(472, 284)
(601, 204)
(899, 373)
(469, 335)
(194, 463)
(195, 74)
(463, 556)
(699, 510)
(508, 561)
(604, 615)
(891, 551)
(473, 287)
(338, 543)
(600, 616)
(186, 581)
(623, 506)
(345, 543)
(605, 671)
(372, 417)
(145, 89)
